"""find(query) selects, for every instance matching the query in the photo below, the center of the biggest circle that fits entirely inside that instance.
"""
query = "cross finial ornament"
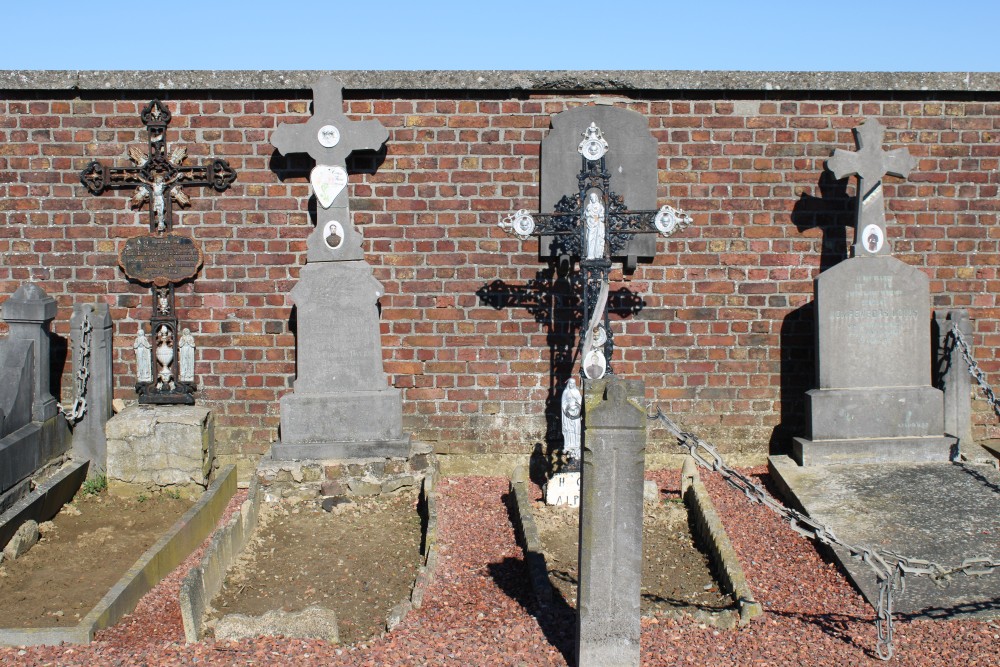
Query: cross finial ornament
(329, 137)
(870, 163)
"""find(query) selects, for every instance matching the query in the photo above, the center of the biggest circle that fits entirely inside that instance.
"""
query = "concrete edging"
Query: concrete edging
(204, 581)
(157, 562)
(45, 501)
(534, 556)
(714, 538)
(426, 571)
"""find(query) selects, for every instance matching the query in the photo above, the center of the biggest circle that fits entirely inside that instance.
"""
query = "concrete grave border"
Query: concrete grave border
(205, 580)
(710, 532)
(158, 561)
(45, 501)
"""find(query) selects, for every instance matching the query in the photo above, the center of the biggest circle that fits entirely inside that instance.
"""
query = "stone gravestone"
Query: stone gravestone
(342, 406)
(91, 328)
(610, 558)
(875, 402)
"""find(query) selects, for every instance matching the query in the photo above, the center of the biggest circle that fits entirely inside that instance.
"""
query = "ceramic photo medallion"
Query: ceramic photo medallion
(600, 336)
(327, 182)
(333, 234)
(520, 223)
(328, 136)
(594, 365)
(669, 220)
(873, 238)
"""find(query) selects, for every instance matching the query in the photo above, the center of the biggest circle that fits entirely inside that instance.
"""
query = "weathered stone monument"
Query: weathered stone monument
(32, 434)
(610, 560)
(91, 339)
(341, 406)
(875, 402)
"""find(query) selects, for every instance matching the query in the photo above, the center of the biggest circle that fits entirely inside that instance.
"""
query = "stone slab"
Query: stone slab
(338, 339)
(880, 412)
(610, 555)
(17, 358)
(346, 417)
(873, 450)
(89, 438)
(544, 81)
(563, 489)
(631, 159)
(45, 501)
(873, 324)
(943, 512)
(28, 449)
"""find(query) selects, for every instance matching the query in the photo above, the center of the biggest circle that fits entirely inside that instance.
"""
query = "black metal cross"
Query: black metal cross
(594, 224)
(157, 177)
(162, 258)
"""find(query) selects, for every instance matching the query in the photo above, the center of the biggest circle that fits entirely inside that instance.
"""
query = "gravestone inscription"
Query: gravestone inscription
(875, 402)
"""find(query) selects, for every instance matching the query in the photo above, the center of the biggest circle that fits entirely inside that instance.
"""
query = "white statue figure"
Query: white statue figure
(143, 356)
(186, 346)
(593, 216)
(572, 413)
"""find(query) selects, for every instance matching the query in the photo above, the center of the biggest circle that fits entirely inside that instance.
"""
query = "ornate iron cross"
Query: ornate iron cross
(870, 163)
(594, 224)
(161, 258)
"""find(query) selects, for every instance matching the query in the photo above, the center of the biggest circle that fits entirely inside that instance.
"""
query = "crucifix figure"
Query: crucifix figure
(329, 137)
(870, 163)
(595, 225)
(161, 258)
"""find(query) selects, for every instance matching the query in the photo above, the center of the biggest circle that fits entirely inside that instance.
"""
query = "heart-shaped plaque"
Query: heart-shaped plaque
(327, 182)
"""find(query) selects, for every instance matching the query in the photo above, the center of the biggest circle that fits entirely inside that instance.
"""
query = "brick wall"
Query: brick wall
(474, 328)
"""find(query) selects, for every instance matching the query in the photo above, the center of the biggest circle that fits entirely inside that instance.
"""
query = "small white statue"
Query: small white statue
(164, 357)
(572, 413)
(594, 220)
(186, 345)
(143, 356)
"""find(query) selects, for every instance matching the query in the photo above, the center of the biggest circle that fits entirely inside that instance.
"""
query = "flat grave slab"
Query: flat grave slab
(941, 512)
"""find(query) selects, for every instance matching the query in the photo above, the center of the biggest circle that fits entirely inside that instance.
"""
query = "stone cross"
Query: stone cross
(870, 163)
(329, 137)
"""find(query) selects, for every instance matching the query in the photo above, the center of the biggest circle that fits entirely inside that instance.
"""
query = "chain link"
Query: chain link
(78, 407)
(890, 577)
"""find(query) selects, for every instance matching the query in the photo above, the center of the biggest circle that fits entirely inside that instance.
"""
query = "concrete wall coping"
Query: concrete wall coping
(501, 80)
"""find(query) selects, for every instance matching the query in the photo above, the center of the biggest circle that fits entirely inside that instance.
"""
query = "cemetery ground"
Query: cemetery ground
(479, 609)
(81, 553)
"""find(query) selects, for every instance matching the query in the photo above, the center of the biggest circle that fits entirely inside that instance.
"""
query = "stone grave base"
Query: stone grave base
(160, 447)
(340, 426)
(942, 512)
(872, 450)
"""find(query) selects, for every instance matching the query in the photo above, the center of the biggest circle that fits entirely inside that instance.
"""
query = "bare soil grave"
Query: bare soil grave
(360, 560)
(676, 575)
(81, 554)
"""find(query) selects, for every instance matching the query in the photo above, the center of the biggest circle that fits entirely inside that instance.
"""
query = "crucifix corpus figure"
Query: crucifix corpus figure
(870, 163)
(161, 258)
(595, 225)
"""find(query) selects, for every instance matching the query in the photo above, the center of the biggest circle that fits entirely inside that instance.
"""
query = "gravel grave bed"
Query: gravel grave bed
(360, 560)
(479, 609)
(676, 575)
(80, 555)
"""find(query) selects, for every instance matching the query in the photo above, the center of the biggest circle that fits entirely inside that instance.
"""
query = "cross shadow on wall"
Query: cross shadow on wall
(833, 214)
(554, 299)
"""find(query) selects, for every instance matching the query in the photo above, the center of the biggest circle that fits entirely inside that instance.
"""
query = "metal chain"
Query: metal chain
(890, 578)
(956, 339)
(78, 408)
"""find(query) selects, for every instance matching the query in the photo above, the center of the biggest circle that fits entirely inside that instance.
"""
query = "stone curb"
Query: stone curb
(45, 501)
(555, 81)
(534, 556)
(204, 581)
(714, 539)
(157, 562)
(426, 571)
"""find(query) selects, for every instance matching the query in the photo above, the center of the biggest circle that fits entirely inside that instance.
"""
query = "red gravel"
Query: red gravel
(478, 610)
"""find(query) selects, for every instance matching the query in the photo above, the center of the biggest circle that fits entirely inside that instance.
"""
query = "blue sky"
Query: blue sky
(919, 35)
